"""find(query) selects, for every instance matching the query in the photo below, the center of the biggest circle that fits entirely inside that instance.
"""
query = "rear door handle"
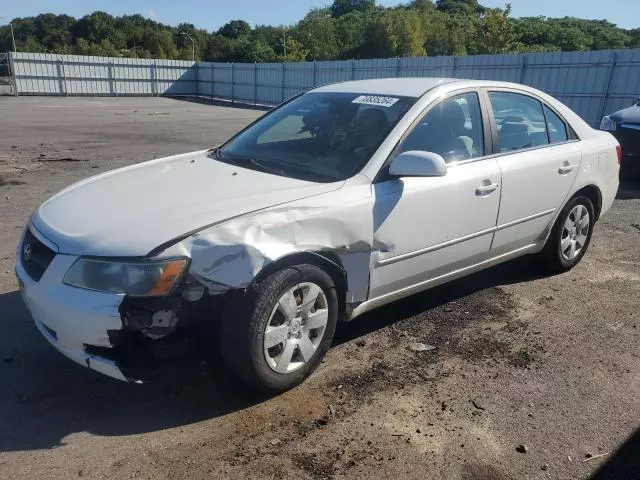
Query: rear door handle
(487, 189)
(564, 169)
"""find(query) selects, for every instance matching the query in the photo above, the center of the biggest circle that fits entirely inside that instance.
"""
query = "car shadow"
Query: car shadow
(44, 397)
(519, 270)
(624, 463)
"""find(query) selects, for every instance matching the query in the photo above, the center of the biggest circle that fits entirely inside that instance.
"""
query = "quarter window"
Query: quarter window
(520, 120)
(452, 129)
(556, 126)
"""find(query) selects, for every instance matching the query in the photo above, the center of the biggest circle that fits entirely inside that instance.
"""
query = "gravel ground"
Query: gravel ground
(521, 359)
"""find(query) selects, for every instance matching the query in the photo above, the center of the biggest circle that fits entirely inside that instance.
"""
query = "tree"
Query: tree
(422, 5)
(318, 33)
(398, 33)
(465, 7)
(495, 32)
(342, 7)
(344, 30)
(235, 29)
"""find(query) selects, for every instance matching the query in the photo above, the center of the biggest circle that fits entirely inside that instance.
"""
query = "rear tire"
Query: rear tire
(570, 236)
(276, 335)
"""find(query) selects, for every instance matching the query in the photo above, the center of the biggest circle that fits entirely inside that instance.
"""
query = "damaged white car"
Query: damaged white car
(343, 199)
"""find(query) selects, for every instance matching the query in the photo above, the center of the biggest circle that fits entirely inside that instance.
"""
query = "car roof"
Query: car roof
(413, 86)
(403, 87)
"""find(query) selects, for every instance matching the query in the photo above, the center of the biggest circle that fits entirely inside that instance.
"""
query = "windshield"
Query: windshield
(321, 137)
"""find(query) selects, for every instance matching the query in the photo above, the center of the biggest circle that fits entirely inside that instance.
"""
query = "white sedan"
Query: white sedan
(344, 198)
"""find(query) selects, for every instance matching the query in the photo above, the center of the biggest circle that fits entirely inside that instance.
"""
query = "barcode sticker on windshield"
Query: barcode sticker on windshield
(376, 100)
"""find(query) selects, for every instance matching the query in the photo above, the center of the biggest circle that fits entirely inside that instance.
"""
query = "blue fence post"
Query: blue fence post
(196, 78)
(607, 84)
(523, 67)
(282, 83)
(213, 83)
(315, 79)
(255, 83)
(112, 81)
(154, 78)
(233, 81)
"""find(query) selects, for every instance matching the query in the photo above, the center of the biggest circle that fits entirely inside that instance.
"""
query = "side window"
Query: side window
(520, 120)
(452, 129)
(556, 126)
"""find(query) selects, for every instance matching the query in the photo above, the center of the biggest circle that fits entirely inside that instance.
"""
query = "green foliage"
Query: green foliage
(342, 7)
(495, 32)
(346, 29)
(464, 7)
(398, 33)
(235, 29)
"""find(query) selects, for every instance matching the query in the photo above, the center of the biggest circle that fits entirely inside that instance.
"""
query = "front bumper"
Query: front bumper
(72, 319)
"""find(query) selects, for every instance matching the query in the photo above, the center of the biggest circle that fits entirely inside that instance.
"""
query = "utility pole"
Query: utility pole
(193, 45)
(13, 38)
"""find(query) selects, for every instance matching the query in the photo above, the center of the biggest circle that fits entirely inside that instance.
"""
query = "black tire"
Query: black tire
(245, 319)
(551, 255)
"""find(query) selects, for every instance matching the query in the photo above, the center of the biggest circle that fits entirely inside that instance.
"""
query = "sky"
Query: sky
(211, 14)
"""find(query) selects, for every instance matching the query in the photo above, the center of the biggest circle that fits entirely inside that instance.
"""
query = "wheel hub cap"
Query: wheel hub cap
(296, 327)
(574, 233)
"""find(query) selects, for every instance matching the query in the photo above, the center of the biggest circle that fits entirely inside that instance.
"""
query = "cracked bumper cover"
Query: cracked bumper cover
(70, 318)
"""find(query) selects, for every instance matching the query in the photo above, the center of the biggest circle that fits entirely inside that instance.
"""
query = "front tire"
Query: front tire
(570, 236)
(276, 335)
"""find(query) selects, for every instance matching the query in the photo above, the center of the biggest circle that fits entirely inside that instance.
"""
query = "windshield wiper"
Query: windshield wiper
(242, 161)
(266, 168)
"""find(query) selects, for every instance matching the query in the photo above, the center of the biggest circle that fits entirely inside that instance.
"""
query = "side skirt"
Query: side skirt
(439, 280)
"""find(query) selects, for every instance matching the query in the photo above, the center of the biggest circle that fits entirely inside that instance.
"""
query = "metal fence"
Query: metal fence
(49, 74)
(591, 83)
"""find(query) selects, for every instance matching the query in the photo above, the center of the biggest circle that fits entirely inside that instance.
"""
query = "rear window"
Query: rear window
(520, 120)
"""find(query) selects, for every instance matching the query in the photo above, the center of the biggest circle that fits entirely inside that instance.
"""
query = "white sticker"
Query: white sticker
(376, 100)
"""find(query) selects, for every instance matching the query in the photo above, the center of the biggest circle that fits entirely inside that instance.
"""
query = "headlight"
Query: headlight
(139, 279)
(608, 125)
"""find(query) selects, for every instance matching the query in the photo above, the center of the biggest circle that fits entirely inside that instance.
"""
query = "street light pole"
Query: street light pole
(13, 38)
(193, 45)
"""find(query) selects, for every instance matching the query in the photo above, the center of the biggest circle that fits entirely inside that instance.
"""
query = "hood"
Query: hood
(628, 115)
(131, 211)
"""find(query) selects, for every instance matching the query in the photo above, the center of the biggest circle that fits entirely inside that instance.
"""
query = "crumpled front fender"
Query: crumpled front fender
(230, 255)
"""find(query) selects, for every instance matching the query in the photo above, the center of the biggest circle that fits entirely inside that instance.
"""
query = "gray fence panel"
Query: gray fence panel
(243, 89)
(426, 66)
(488, 67)
(223, 80)
(298, 78)
(591, 83)
(269, 83)
(376, 68)
(625, 81)
(334, 71)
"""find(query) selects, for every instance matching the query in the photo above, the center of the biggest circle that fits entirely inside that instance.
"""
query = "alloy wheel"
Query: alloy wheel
(575, 232)
(295, 328)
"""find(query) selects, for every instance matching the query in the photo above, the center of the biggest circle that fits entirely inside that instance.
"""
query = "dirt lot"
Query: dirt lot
(552, 363)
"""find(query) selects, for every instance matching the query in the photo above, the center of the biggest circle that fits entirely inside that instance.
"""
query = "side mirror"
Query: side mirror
(416, 163)
(636, 101)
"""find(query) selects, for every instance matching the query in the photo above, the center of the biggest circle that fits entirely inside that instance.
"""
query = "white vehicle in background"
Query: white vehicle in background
(344, 198)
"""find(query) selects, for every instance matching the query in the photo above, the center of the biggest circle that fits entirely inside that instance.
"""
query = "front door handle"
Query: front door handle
(566, 168)
(483, 190)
